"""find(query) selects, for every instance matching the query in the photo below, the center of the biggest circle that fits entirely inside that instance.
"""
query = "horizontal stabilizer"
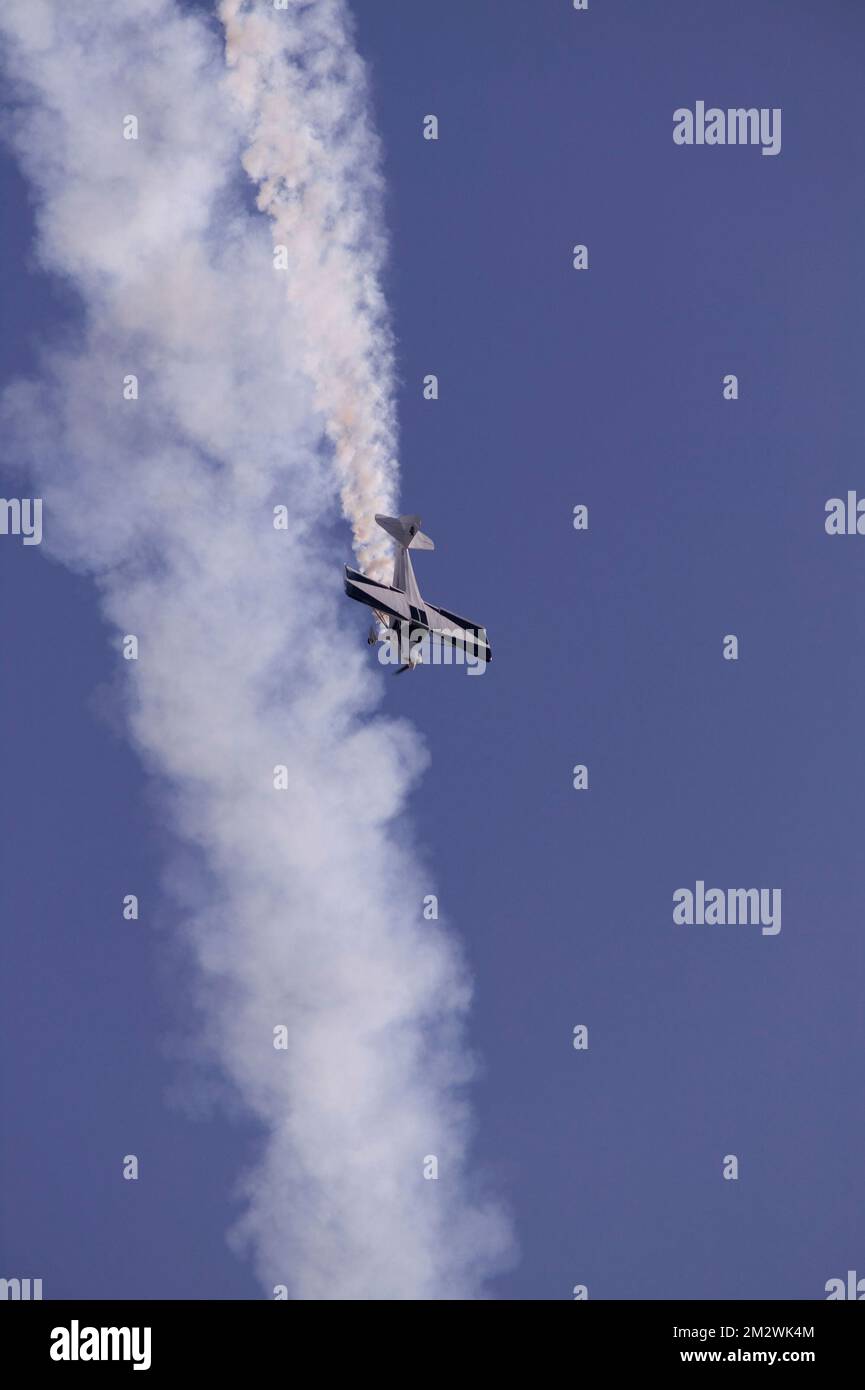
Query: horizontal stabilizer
(405, 531)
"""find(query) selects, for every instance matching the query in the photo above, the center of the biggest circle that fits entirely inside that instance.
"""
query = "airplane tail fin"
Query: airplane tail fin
(406, 531)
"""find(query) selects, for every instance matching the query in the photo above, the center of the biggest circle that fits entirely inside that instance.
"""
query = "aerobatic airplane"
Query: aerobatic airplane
(401, 611)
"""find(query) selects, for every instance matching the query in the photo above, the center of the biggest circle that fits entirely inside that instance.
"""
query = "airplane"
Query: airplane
(399, 608)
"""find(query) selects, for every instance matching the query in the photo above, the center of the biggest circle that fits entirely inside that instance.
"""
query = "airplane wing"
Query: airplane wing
(450, 627)
(461, 632)
(382, 597)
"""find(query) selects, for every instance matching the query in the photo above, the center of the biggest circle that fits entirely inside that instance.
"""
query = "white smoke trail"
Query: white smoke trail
(315, 160)
(311, 918)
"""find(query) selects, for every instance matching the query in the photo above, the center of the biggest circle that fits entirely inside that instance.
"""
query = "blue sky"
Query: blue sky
(706, 518)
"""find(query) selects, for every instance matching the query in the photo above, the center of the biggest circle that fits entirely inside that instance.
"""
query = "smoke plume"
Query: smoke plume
(309, 917)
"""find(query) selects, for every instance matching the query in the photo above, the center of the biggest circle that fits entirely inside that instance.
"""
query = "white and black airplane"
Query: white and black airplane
(400, 609)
